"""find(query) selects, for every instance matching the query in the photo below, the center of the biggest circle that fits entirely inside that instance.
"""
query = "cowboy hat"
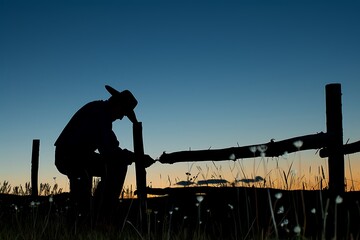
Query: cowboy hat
(127, 99)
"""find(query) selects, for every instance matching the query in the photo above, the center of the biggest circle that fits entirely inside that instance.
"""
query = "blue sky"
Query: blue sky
(207, 74)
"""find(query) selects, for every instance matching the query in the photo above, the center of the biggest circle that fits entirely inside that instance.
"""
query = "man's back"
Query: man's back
(90, 128)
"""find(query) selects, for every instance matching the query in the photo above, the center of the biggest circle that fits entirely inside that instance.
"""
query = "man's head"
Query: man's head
(124, 101)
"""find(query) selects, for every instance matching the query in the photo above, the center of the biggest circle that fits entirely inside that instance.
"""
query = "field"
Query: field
(191, 213)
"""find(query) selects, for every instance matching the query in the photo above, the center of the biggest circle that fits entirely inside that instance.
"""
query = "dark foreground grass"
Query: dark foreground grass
(191, 213)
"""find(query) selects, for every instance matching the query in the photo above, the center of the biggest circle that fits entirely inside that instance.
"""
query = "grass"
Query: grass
(266, 207)
(230, 212)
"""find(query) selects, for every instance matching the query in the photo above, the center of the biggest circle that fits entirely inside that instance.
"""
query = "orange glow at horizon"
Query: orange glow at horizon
(300, 170)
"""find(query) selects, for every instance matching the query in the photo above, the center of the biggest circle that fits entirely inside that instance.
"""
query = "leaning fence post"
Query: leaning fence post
(140, 172)
(335, 141)
(35, 167)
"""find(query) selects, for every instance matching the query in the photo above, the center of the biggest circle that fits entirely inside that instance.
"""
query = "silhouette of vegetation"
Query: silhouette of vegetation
(197, 212)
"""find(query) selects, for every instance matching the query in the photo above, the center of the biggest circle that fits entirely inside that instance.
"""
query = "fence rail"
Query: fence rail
(270, 149)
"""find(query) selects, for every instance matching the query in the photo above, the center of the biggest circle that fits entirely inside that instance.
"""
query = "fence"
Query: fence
(330, 143)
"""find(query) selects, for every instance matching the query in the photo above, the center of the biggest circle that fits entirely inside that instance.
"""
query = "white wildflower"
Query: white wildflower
(284, 222)
(252, 149)
(262, 148)
(338, 200)
(280, 210)
(297, 229)
(278, 195)
(298, 144)
(199, 198)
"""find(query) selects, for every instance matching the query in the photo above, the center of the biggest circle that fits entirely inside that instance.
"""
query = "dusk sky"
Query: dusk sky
(207, 74)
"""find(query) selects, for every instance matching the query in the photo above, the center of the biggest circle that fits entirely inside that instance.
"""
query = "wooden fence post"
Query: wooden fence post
(335, 141)
(35, 167)
(140, 172)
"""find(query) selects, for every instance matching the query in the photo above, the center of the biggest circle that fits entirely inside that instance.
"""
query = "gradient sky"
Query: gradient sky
(207, 74)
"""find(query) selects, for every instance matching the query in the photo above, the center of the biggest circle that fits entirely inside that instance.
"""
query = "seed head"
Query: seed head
(199, 198)
(252, 149)
(284, 222)
(280, 210)
(262, 148)
(298, 144)
(338, 200)
(278, 195)
(297, 229)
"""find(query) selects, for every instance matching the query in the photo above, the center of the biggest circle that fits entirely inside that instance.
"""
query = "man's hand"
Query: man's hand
(127, 156)
(148, 161)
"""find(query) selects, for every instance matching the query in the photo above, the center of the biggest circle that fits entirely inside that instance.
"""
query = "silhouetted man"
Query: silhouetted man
(88, 147)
